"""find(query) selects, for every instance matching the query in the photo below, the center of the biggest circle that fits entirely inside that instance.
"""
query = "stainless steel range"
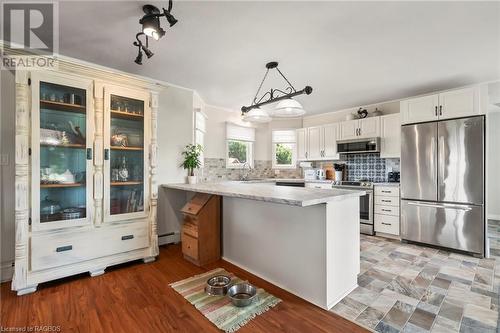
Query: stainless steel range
(365, 203)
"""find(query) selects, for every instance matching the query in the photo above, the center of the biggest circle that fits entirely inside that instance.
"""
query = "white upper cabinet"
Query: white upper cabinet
(349, 129)
(369, 127)
(315, 140)
(360, 129)
(459, 103)
(302, 144)
(419, 109)
(390, 136)
(330, 136)
(446, 105)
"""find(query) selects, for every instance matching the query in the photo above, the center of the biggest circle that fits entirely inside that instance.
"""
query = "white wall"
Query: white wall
(7, 147)
(175, 130)
(493, 156)
(340, 115)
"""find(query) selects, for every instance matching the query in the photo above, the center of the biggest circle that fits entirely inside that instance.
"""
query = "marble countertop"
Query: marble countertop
(269, 192)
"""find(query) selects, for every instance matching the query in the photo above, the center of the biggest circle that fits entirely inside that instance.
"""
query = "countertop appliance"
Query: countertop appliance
(365, 203)
(320, 174)
(393, 177)
(442, 184)
(357, 146)
(309, 174)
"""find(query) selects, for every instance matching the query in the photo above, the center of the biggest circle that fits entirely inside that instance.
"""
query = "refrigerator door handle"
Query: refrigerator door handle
(452, 206)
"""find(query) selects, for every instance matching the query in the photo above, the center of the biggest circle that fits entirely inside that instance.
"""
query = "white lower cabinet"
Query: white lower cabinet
(387, 209)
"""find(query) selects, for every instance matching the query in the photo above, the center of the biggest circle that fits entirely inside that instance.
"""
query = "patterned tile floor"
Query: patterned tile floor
(410, 288)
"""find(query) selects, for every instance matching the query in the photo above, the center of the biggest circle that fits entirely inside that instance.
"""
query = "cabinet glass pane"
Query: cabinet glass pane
(63, 116)
(127, 155)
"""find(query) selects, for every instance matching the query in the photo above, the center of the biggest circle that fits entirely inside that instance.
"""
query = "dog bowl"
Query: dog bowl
(218, 285)
(242, 294)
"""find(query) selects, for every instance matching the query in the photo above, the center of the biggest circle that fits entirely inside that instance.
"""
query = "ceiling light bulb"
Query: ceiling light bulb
(288, 108)
(257, 115)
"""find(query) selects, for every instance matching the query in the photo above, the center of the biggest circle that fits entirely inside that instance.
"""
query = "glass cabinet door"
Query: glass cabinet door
(62, 153)
(126, 156)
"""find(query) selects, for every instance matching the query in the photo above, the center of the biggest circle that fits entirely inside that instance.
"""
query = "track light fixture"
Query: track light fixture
(151, 28)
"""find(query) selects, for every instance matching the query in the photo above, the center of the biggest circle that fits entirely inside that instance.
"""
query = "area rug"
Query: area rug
(219, 309)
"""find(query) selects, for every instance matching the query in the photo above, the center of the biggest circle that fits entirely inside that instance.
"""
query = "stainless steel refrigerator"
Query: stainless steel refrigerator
(442, 183)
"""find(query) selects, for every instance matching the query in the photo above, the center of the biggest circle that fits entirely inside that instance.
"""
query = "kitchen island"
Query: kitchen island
(303, 240)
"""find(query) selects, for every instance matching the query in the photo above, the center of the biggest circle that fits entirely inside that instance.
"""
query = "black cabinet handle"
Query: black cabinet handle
(386, 210)
(440, 110)
(386, 191)
(127, 237)
(89, 153)
(386, 200)
(386, 223)
(436, 110)
(64, 248)
(106, 154)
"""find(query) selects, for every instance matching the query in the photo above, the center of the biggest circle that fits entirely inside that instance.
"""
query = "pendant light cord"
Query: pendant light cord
(260, 87)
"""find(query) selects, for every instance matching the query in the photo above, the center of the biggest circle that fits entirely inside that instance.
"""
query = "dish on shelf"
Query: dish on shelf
(72, 213)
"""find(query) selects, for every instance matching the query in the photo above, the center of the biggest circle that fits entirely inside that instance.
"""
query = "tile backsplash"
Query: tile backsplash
(370, 167)
(215, 170)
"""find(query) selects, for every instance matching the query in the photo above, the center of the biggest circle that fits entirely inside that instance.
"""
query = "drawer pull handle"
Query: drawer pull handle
(64, 248)
(386, 200)
(386, 210)
(386, 191)
(127, 237)
(386, 223)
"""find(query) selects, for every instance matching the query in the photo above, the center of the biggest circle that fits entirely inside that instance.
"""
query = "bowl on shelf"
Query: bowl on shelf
(218, 285)
(242, 294)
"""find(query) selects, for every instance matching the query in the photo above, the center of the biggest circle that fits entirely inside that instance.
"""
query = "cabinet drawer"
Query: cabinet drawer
(387, 210)
(190, 246)
(48, 251)
(128, 239)
(389, 191)
(387, 201)
(190, 229)
(387, 224)
(191, 219)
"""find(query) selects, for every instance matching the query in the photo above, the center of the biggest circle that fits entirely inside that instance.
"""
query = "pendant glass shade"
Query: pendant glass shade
(257, 116)
(288, 108)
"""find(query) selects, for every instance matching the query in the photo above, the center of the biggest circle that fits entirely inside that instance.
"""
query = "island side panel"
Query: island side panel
(285, 245)
(343, 248)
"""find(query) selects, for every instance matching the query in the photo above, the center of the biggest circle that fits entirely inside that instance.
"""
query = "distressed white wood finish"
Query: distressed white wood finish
(22, 184)
(97, 245)
(145, 97)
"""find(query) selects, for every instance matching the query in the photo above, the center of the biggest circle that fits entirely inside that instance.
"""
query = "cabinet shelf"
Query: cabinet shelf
(126, 148)
(126, 115)
(60, 106)
(126, 183)
(61, 185)
(69, 145)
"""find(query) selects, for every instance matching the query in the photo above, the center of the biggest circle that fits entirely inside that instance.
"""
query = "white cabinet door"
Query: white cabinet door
(330, 136)
(369, 127)
(459, 103)
(349, 129)
(419, 109)
(315, 143)
(390, 136)
(302, 144)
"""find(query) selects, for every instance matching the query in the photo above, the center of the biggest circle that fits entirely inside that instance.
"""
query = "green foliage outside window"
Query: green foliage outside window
(283, 154)
(237, 152)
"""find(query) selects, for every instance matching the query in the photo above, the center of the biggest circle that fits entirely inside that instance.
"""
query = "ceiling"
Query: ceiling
(351, 53)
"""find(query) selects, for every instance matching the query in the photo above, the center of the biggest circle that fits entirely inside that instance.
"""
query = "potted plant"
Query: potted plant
(191, 161)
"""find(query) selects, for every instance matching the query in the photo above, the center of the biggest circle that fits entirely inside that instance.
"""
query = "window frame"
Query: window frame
(274, 163)
(249, 155)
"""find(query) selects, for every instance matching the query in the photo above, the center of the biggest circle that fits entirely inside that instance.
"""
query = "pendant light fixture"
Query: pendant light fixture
(287, 106)
(151, 28)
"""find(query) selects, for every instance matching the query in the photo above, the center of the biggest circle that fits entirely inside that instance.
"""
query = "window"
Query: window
(239, 146)
(284, 149)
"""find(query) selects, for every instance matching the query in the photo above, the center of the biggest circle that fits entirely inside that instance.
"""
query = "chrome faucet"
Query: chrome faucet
(244, 175)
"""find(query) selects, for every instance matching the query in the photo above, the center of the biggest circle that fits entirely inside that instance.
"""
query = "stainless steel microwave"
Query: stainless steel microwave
(356, 146)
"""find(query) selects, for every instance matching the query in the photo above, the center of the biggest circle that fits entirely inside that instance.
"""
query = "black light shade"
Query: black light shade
(138, 59)
(151, 26)
(170, 18)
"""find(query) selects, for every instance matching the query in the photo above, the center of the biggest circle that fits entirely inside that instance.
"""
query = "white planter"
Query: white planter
(192, 179)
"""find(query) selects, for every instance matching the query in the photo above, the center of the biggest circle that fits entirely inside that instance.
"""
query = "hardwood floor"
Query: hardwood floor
(136, 298)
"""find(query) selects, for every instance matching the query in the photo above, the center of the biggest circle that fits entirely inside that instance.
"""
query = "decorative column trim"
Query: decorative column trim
(98, 152)
(153, 179)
